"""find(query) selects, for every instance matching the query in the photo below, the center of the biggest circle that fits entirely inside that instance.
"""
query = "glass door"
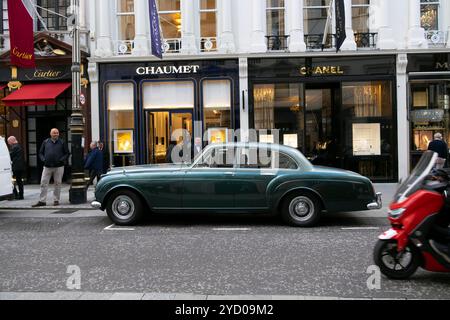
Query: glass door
(164, 126)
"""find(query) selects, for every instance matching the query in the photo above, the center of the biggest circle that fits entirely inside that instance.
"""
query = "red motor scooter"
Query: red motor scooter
(415, 215)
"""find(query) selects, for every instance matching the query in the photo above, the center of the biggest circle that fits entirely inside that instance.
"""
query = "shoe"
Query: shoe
(39, 204)
(440, 249)
(56, 203)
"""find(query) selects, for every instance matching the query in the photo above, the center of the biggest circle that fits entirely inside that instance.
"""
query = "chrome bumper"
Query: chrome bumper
(377, 204)
(96, 205)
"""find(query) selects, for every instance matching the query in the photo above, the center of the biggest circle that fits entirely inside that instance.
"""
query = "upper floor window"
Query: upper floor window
(360, 16)
(275, 17)
(170, 18)
(125, 19)
(315, 16)
(208, 25)
(4, 27)
(52, 21)
(429, 14)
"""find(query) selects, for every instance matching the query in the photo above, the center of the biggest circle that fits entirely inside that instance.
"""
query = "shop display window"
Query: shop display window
(120, 104)
(216, 104)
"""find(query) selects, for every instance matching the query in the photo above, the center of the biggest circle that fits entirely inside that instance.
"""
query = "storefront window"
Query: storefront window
(125, 20)
(168, 95)
(121, 123)
(52, 21)
(278, 106)
(430, 104)
(170, 18)
(429, 14)
(368, 120)
(217, 108)
(208, 25)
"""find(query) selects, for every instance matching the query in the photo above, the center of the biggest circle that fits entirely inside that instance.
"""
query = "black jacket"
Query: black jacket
(440, 147)
(53, 154)
(17, 158)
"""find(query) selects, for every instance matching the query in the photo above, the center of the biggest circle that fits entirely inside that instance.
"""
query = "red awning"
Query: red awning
(36, 94)
(3, 86)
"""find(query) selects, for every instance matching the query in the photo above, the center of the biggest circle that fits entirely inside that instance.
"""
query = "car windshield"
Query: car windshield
(415, 180)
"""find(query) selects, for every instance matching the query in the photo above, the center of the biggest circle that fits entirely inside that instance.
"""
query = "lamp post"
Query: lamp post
(77, 192)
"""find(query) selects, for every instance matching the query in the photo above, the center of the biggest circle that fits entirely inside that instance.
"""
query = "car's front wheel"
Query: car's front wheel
(301, 210)
(124, 207)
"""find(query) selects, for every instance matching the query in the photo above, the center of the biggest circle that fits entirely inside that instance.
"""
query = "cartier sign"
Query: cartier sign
(45, 73)
(168, 70)
(321, 70)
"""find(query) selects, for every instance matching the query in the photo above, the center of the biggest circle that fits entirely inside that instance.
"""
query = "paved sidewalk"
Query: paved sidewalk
(32, 191)
(32, 196)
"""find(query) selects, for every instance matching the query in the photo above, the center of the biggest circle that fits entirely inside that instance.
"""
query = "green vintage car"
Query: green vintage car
(232, 178)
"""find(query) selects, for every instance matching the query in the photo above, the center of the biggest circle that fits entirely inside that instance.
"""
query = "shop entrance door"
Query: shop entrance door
(162, 126)
(321, 127)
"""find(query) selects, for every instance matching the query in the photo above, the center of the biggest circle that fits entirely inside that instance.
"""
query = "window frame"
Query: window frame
(270, 9)
(120, 14)
(56, 8)
(436, 3)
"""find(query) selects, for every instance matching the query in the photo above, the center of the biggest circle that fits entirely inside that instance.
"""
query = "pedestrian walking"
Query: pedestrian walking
(18, 165)
(106, 164)
(94, 163)
(439, 146)
(54, 154)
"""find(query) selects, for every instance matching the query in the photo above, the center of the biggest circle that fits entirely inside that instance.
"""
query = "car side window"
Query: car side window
(217, 158)
(254, 158)
(284, 161)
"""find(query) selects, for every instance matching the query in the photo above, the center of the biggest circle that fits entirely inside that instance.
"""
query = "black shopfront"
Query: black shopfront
(429, 100)
(147, 105)
(338, 111)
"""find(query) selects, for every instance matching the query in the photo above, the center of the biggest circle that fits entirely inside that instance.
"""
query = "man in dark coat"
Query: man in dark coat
(18, 165)
(106, 164)
(440, 147)
(54, 153)
(94, 163)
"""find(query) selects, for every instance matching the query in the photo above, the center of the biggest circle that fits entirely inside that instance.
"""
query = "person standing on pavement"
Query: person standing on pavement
(54, 154)
(101, 147)
(94, 163)
(18, 165)
(440, 147)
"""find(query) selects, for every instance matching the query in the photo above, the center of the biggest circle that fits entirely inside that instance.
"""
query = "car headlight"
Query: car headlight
(396, 213)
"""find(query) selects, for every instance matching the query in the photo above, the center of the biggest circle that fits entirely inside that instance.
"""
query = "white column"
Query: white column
(243, 97)
(104, 41)
(141, 16)
(226, 38)
(294, 8)
(385, 34)
(402, 118)
(82, 17)
(95, 107)
(258, 28)
(416, 34)
(188, 41)
(349, 42)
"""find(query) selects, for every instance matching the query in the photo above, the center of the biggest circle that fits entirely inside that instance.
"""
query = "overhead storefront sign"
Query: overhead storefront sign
(321, 70)
(435, 115)
(429, 62)
(168, 70)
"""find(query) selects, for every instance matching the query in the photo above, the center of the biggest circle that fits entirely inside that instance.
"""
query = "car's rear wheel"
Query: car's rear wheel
(301, 210)
(124, 207)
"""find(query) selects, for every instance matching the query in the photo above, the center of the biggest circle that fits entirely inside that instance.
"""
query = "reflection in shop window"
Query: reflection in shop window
(367, 99)
(121, 122)
(217, 109)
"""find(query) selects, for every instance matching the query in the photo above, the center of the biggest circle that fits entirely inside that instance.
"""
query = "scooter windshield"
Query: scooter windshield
(415, 180)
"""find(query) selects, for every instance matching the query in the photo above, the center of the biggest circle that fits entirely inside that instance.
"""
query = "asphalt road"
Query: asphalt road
(201, 254)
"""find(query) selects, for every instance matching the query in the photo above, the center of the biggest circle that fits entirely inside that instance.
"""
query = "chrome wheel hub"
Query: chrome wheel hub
(123, 207)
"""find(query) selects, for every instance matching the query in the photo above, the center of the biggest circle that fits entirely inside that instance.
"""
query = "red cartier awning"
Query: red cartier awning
(36, 94)
(3, 86)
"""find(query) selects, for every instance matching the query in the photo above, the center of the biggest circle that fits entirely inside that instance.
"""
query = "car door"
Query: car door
(253, 174)
(6, 186)
(208, 183)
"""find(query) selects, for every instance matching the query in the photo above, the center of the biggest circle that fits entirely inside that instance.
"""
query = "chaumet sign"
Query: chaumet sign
(321, 70)
(168, 70)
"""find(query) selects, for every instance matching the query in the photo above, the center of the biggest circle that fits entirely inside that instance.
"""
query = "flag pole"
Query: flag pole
(327, 24)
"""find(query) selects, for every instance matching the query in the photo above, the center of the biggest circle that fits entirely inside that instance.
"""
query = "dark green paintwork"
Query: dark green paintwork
(183, 187)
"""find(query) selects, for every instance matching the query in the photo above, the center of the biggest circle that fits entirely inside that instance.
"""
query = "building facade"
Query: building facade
(272, 66)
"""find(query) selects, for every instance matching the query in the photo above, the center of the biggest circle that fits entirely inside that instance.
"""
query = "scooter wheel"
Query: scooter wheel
(394, 264)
